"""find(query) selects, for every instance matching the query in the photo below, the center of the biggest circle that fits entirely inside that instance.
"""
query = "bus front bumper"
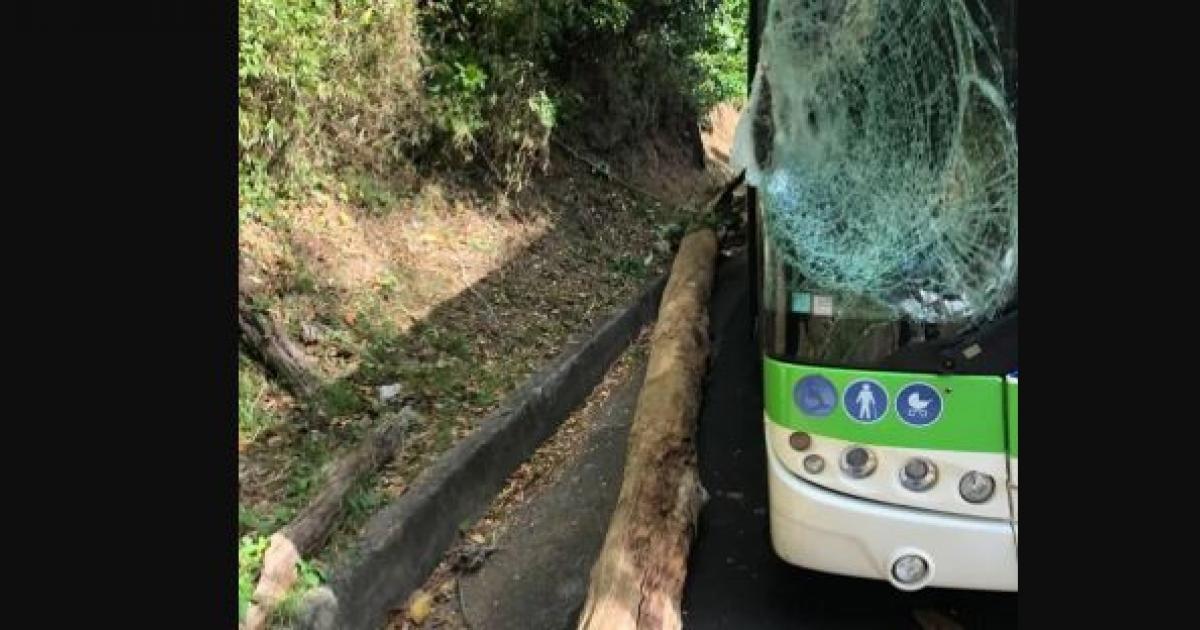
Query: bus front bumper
(831, 532)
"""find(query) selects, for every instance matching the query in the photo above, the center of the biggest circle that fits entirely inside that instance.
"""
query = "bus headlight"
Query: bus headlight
(918, 474)
(910, 569)
(976, 487)
(858, 462)
(814, 464)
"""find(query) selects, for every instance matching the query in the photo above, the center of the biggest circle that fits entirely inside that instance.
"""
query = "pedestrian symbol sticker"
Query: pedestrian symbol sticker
(919, 404)
(815, 395)
(865, 400)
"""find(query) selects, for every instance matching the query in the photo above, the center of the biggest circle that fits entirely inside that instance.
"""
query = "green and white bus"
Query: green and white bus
(891, 438)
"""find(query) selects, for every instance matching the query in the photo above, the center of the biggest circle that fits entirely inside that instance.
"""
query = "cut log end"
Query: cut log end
(278, 576)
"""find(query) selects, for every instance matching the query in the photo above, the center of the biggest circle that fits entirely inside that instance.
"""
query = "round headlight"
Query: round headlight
(814, 464)
(858, 462)
(918, 474)
(910, 569)
(976, 487)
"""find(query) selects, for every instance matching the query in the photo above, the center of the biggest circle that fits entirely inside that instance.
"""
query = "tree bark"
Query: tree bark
(309, 529)
(305, 534)
(637, 582)
(267, 338)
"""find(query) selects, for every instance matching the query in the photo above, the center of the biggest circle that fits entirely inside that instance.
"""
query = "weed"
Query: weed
(629, 266)
(309, 575)
(342, 398)
(453, 344)
(305, 473)
(252, 521)
(251, 550)
(302, 281)
(250, 556)
(387, 284)
(253, 416)
(364, 501)
(367, 191)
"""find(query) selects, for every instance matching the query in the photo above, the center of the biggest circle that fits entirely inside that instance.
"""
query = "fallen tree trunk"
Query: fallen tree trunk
(637, 581)
(266, 337)
(305, 534)
(723, 202)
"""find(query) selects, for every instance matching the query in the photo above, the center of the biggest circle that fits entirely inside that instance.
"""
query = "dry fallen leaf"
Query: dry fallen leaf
(420, 607)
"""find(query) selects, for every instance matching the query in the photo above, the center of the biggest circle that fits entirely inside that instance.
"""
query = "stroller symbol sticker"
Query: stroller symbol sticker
(919, 404)
(866, 400)
(815, 395)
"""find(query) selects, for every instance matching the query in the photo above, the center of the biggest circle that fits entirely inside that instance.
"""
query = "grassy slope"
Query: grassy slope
(454, 293)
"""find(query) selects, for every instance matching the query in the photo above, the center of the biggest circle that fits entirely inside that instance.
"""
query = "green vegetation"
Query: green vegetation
(376, 105)
(309, 576)
(253, 415)
(250, 555)
(629, 265)
(327, 92)
(723, 62)
(344, 97)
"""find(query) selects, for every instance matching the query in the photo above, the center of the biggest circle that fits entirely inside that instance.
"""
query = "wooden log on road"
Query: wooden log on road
(637, 582)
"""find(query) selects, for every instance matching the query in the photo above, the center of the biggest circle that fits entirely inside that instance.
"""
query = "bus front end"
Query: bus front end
(879, 145)
(904, 476)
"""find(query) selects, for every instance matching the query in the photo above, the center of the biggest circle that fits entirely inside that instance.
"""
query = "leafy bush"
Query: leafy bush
(722, 60)
(324, 88)
(623, 63)
(346, 95)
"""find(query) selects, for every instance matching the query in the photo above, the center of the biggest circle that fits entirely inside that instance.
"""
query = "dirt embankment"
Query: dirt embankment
(447, 298)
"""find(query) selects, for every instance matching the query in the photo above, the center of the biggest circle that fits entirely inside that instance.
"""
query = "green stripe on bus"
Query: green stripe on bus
(1012, 418)
(972, 419)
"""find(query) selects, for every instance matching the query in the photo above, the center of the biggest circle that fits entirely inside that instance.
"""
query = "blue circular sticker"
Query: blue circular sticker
(815, 395)
(865, 400)
(919, 404)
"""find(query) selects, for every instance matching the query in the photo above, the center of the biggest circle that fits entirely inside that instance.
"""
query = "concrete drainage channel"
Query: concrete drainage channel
(404, 542)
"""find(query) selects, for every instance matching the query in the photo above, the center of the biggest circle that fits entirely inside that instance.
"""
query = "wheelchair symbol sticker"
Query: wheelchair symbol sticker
(919, 404)
(815, 395)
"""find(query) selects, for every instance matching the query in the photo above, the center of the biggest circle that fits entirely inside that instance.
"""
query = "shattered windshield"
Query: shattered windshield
(881, 137)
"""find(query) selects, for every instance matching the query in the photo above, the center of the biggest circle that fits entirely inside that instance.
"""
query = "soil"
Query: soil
(455, 295)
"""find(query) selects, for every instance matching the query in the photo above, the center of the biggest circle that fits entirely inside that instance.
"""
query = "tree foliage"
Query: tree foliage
(333, 93)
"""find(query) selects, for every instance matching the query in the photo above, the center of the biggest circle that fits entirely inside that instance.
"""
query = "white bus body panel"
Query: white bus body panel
(826, 531)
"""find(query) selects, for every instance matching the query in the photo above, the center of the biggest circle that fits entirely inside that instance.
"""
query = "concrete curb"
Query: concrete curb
(404, 542)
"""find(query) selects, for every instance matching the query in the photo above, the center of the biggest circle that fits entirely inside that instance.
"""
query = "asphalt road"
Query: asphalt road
(538, 579)
(735, 579)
